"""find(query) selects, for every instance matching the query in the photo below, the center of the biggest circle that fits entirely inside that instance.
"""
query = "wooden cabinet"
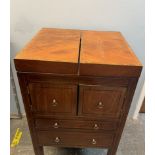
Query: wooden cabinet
(77, 87)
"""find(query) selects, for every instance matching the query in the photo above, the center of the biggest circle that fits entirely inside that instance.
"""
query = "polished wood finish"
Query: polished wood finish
(77, 100)
(101, 101)
(107, 54)
(126, 107)
(74, 139)
(51, 50)
(47, 98)
(60, 124)
(107, 48)
(26, 99)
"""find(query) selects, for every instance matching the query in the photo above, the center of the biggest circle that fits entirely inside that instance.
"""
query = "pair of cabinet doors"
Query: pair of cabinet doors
(76, 100)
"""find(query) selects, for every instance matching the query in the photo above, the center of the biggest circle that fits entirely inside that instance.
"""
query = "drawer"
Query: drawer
(100, 101)
(53, 99)
(46, 124)
(75, 139)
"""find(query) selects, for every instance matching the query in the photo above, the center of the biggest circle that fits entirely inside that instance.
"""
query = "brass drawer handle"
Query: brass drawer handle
(57, 140)
(56, 125)
(96, 126)
(54, 103)
(100, 105)
(94, 142)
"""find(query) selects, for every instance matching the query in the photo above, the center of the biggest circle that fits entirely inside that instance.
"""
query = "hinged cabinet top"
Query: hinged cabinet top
(108, 48)
(81, 52)
(107, 54)
(57, 45)
(51, 51)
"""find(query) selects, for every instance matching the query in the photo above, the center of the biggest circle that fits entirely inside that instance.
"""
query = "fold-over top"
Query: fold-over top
(78, 52)
(107, 54)
(50, 51)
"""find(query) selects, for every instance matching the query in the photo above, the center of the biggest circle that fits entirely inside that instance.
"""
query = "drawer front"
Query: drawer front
(53, 99)
(101, 101)
(76, 139)
(46, 124)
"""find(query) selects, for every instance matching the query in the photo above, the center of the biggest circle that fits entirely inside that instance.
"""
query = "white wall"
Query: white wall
(127, 16)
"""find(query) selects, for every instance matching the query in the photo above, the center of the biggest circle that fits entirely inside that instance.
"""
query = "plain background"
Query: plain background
(126, 16)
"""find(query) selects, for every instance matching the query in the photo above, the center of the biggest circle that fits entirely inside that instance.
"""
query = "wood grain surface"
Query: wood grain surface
(64, 96)
(110, 98)
(75, 139)
(107, 54)
(58, 45)
(51, 50)
(108, 48)
(63, 51)
(94, 126)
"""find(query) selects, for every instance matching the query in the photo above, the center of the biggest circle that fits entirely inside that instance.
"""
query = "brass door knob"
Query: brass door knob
(94, 142)
(100, 105)
(57, 140)
(54, 103)
(56, 125)
(96, 126)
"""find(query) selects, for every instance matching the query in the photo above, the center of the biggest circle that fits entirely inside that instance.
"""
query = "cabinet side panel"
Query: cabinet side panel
(23, 86)
(125, 110)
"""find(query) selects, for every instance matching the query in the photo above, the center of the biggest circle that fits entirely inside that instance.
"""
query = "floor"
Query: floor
(132, 141)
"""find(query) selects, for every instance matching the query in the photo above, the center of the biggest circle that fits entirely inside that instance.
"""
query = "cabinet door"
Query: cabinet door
(100, 101)
(53, 99)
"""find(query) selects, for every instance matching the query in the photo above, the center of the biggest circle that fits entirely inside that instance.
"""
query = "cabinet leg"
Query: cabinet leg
(38, 150)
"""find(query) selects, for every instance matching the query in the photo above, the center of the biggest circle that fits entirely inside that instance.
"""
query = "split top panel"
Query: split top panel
(78, 52)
